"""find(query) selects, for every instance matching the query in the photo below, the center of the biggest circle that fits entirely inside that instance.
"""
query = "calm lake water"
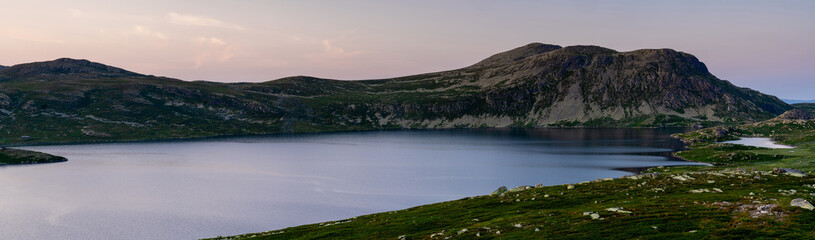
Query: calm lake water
(226, 186)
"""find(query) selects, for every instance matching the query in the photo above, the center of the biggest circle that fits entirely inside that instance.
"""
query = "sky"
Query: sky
(764, 45)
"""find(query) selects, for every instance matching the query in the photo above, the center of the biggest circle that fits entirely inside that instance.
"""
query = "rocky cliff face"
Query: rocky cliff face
(536, 85)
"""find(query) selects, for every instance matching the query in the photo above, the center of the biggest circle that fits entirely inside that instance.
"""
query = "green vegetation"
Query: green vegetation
(744, 194)
(10, 156)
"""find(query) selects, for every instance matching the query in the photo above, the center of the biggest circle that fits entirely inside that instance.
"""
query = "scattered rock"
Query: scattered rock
(590, 214)
(759, 209)
(787, 192)
(520, 188)
(800, 202)
(682, 178)
(499, 191)
(518, 225)
(437, 234)
(402, 237)
(617, 210)
(462, 231)
(569, 187)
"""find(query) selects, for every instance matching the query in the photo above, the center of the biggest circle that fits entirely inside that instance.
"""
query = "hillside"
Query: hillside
(536, 85)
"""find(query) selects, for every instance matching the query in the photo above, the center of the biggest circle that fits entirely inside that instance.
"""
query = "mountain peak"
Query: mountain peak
(63, 66)
(517, 54)
(588, 50)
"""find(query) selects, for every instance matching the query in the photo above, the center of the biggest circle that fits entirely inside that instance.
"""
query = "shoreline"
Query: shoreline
(741, 191)
(23, 144)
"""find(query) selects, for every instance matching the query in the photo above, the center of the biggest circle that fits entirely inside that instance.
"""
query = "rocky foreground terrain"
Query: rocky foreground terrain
(536, 85)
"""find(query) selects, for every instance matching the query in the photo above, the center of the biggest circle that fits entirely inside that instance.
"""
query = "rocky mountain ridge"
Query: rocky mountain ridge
(536, 85)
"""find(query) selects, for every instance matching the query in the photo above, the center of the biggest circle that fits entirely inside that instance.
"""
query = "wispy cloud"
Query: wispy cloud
(211, 49)
(335, 51)
(192, 20)
(143, 31)
(76, 13)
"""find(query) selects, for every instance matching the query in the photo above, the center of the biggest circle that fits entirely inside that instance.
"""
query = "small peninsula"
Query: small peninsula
(9, 156)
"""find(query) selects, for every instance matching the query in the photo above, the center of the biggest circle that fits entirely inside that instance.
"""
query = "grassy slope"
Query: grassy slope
(753, 201)
(16, 156)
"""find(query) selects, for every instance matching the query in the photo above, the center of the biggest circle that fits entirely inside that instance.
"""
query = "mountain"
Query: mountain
(792, 101)
(2, 67)
(536, 85)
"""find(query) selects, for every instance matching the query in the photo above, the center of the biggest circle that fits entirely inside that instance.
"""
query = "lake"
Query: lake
(226, 186)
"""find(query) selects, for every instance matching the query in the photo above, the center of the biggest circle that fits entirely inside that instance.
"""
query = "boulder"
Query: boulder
(617, 210)
(800, 202)
(499, 191)
(790, 172)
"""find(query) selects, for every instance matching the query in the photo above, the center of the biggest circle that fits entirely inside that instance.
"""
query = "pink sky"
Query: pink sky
(765, 45)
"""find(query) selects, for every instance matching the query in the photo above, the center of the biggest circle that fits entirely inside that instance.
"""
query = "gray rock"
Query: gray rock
(617, 210)
(790, 172)
(800, 202)
(520, 188)
(499, 191)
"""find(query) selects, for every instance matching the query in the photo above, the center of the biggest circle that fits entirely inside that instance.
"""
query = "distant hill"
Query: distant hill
(791, 101)
(2, 67)
(810, 107)
(536, 85)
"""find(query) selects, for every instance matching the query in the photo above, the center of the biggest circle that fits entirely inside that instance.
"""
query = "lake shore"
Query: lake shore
(746, 192)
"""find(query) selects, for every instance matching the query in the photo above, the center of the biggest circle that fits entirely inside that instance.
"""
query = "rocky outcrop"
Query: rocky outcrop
(795, 114)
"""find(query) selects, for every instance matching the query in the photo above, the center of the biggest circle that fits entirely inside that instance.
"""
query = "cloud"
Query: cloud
(335, 51)
(143, 31)
(190, 20)
(213, 49)
(76, 13)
